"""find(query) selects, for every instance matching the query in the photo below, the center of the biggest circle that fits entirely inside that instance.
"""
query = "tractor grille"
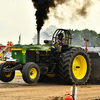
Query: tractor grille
(30, 56)
(37, 56)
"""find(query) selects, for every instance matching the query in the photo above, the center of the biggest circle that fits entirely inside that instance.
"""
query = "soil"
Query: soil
(19, 90)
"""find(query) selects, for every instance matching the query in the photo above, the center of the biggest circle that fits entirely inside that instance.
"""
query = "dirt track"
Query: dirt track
(19, 90)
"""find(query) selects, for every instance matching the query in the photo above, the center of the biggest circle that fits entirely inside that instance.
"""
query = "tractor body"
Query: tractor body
(72, 65)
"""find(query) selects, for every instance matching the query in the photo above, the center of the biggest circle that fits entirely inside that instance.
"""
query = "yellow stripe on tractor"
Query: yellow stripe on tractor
(41, 49)
(16, 48)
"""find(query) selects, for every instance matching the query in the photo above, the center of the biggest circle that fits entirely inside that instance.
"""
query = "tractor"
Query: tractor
(71, 65)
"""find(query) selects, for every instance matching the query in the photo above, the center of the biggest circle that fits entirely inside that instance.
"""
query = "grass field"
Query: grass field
(18, 74)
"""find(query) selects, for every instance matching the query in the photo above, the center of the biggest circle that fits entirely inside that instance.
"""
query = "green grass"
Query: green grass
(18, 74)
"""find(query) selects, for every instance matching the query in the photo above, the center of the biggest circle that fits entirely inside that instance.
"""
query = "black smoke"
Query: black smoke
(42, 11)
(43, 8)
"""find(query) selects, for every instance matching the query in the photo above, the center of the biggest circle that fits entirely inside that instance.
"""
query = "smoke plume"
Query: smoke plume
(80, 8)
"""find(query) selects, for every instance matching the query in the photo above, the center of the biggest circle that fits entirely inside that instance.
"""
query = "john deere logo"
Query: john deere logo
(23, 51)
(15, 53)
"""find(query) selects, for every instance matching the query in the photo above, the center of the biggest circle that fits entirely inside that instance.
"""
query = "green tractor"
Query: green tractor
(71, 65)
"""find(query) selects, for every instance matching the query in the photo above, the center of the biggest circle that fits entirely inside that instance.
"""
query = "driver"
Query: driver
(59, 44)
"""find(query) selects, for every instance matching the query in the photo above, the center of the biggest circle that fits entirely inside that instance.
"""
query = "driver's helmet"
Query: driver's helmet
(60, 36)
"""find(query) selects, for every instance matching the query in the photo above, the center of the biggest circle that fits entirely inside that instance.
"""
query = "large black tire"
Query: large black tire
(60, 69)
(75, 66)
(5, 76)
(31, 73)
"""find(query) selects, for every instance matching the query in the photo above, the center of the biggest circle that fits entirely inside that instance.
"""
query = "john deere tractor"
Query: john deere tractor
(71, 65)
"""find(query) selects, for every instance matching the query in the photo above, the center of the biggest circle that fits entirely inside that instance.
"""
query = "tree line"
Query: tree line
(91, 35)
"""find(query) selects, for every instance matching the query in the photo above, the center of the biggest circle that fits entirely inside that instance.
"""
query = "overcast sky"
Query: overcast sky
(17, 17)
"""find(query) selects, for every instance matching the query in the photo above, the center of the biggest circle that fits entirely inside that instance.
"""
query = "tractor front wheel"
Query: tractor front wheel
(30, 73)
(6, 76)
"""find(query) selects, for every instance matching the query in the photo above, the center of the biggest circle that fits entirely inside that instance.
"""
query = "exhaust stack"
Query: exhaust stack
(38, 37)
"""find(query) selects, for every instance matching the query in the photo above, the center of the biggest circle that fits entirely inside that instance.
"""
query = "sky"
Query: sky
(18, 17)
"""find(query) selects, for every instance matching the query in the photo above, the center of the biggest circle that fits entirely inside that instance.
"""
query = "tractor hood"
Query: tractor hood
(32, 47)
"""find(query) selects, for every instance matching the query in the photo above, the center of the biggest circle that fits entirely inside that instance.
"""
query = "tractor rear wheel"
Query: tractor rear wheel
(30, 73)
(6, 76)
(75, 66)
